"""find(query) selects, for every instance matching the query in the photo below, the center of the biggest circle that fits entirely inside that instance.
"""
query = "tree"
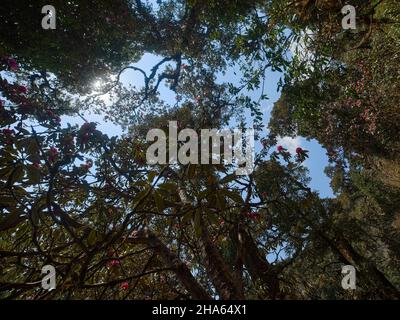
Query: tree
(115, 227)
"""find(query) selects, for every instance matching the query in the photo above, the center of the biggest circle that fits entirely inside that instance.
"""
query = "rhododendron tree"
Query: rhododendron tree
(115, 227)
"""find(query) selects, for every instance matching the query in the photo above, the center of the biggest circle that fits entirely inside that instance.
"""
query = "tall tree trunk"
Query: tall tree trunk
(368, 269)
(257, 265)
(180, 269)
(226, 284)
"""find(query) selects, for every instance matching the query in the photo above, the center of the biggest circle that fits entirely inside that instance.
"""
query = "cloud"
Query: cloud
(290, 143)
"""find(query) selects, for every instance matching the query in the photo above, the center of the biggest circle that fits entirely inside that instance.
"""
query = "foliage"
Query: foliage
(116, 228)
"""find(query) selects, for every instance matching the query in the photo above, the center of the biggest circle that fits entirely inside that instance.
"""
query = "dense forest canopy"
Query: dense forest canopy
(115, 227)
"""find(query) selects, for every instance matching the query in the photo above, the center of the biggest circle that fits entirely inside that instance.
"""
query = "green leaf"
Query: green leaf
(197, 223)
(65, 218)
(92, 237)
(17, 174)
(228, 178)
(35, 215)
(220, 202)
(151, 175)
(5, 172)
(203, 194)
(33, 151)
(11, 220)
(186, 218)
(212, 217)
(169, 186)
(33, 174)
(159, 201)
(234, 195)
(7, 201)
(191, 171)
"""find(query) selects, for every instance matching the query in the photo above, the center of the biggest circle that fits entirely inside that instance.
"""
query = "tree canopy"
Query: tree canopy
(115, 227)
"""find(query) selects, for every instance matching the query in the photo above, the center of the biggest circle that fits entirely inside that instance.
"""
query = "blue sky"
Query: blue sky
(317, 161)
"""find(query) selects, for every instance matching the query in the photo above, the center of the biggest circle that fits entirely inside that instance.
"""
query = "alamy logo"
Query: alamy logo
(194, 149)
(49, 280)
(349, 20)
(349, 280)
(49, 20)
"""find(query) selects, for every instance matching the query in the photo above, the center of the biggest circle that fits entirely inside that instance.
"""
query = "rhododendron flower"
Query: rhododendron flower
(8, 132)
(279, 148)
(252, 215)
(88, 126)
(22, 89)
(36, 165)
(87, 165)
(299, 150)
(125, 285)
(115, 262)
(12, 63)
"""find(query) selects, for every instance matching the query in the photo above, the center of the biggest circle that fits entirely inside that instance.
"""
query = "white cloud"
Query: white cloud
(300, 48)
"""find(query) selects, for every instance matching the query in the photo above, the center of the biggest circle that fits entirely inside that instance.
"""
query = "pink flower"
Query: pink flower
(299, 150)
(252, 215)
(12, 63)
(8, 132)
(85, 166)
(124, 285)
(115, 262)
(36, 165)
(358, 103)
(85, 137)
(22, 89)
(53, 154)
(88, 126)
(279, 148)
(53, 151)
